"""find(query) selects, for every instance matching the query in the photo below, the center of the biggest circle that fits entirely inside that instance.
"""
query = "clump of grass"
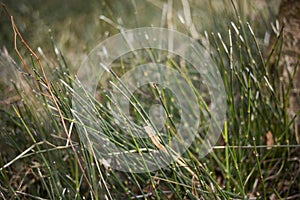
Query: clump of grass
(51, 159)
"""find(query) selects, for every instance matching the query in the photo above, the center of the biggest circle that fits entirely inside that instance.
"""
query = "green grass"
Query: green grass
(44, 156)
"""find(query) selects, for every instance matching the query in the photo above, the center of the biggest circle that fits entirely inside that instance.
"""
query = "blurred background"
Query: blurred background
(77, 26)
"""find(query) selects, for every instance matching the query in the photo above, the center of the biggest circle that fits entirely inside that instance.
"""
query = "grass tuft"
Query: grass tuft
(44, 155)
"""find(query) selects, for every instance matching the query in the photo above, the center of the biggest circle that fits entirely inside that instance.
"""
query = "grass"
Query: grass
(44, 156)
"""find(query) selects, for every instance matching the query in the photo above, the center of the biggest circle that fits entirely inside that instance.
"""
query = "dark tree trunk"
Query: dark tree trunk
(289, 18)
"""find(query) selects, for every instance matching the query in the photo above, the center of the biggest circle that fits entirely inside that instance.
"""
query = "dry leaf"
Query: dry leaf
(269, 139)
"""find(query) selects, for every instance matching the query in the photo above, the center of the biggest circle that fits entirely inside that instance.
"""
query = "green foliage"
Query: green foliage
(41, 157)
